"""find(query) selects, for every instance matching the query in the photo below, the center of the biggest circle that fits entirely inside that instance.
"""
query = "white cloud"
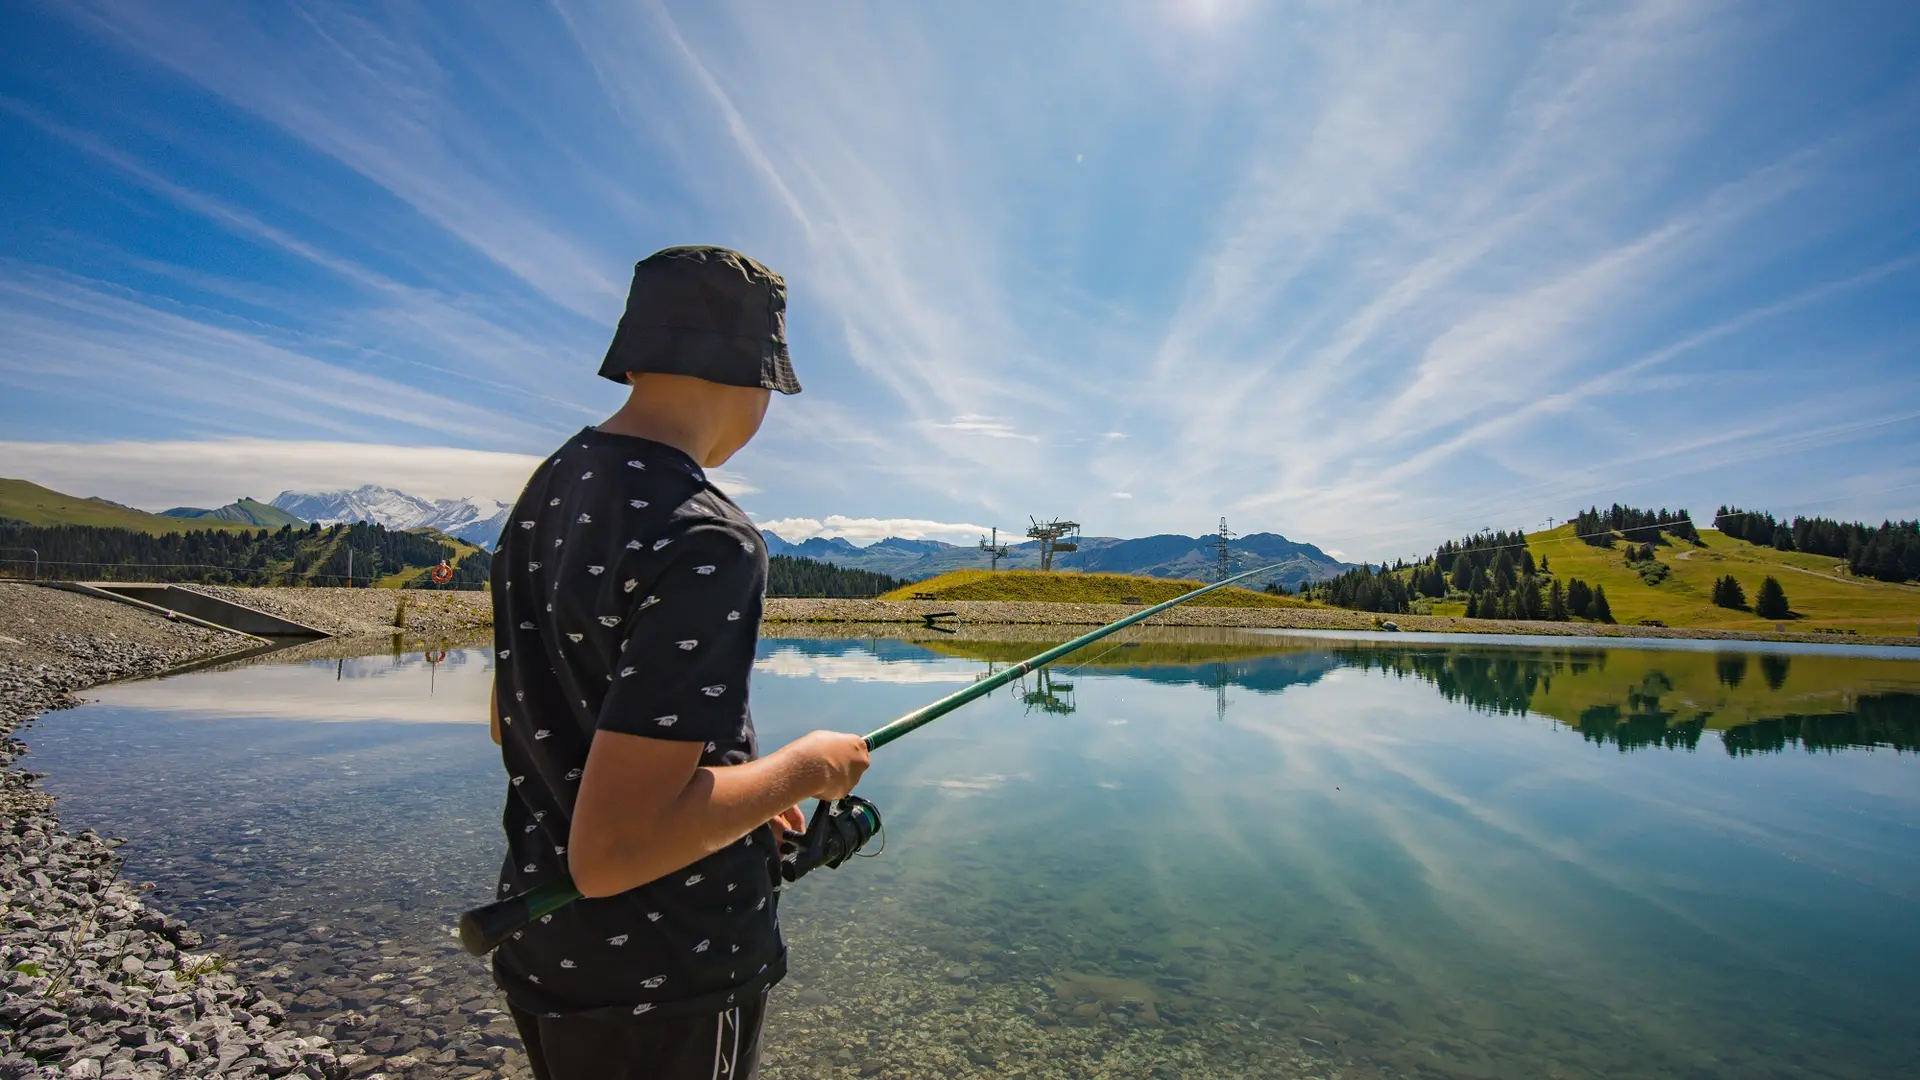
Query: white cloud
(1123, 495)
(863, 667)
(732, 482)
(989, 426)
(159, 475)
(866, 530)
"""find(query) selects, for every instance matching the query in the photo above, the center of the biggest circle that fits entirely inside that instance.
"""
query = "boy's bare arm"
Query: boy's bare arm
(493, 715)
(647, 807)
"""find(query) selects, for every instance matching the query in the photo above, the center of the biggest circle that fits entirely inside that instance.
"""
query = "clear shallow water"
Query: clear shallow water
(1217, 854)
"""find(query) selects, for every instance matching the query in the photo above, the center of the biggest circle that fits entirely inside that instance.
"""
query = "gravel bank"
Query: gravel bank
(980, 612)
(361, 612)
(98, 984)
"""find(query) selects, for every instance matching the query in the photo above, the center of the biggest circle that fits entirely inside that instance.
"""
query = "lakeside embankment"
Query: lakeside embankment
(446, 616)
(1004, 613)
(98, 983)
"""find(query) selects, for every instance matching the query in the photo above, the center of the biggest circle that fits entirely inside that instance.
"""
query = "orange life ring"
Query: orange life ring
(441, 574)
(435, 656)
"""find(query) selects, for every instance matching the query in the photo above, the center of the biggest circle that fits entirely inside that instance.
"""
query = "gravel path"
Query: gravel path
(97, 984)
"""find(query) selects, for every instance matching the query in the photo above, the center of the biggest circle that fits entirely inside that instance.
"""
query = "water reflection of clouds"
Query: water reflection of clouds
(851, 666)
(367, 688)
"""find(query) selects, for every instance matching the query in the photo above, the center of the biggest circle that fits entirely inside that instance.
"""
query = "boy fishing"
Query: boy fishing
(627, 593)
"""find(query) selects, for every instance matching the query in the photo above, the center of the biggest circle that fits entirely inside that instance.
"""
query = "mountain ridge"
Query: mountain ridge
(476, 521)
(243, 509)
(1168, 555)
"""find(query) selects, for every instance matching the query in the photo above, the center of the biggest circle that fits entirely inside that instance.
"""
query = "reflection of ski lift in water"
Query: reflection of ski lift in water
(1048, 694)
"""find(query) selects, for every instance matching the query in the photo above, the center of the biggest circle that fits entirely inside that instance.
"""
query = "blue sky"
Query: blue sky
(1367, 276)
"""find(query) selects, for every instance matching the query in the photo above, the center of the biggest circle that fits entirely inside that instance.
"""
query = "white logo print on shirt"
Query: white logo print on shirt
(573, 774)
(633, 545)
(568, 964)
(596, 571)
(588, 475)
(708, 569)
(555, 502)
(542, 733)
(630, 584)
(667, 720)
(609, 620)
(696, 879)
(526, 524)
(525, 625)
(733, 616)
(645, 1006)
(653, 916)
(704, 943)
(618, 939)
(584, 519)
(715, 690)
(649, 602)
(662, 542)
(532, 566)
(627, 672)
(653, 983)
(575, 637)
(641, 465)
(637, 504)
(688, 645)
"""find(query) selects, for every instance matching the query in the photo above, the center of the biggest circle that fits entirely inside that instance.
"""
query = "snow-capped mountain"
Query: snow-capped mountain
(477, 521)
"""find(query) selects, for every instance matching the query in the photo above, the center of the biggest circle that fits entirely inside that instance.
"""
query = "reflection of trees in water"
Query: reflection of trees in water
(1491, 683)
(1773, 668)
(1646, 716)
(1876, 720)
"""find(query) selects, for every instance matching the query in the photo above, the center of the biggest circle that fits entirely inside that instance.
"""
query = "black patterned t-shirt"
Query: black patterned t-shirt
(626, 594)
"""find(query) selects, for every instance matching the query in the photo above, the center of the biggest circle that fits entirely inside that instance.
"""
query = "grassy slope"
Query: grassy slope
(399, 580)
(1822, 596)
(35, 505)
(1077, 588)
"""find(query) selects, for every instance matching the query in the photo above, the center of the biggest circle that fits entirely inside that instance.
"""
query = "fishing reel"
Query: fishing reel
(837, 832)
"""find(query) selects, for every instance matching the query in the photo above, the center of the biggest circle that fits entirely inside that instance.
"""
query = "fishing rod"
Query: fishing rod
(838, 828)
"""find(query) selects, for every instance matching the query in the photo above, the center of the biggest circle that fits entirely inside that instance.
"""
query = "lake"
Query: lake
(1202, 854)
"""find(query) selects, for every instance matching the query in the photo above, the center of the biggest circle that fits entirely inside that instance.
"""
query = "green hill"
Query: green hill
(1823, 594)
(1077, 588)
(247, 511)
(22, 500)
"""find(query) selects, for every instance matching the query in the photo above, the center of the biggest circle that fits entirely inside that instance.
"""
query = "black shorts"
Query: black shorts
(723, 1046)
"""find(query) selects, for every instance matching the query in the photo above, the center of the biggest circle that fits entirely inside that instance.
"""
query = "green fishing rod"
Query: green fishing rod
(837, 829)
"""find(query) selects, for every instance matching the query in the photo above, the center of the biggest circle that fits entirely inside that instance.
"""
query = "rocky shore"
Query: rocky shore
(97, 983)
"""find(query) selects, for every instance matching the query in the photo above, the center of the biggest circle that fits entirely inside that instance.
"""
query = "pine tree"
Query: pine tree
(1602, 611)
(1557, 603)
(1771, 601)
(1473, 606)
(1728, 594)
(1463, 573)
(1579, 598)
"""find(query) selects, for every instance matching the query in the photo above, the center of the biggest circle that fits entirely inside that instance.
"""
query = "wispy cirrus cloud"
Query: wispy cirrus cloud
(1365, 278)
(864, 531)
(155, 475)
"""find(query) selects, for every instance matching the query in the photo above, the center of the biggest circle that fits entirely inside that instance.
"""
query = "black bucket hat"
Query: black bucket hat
(708, 312)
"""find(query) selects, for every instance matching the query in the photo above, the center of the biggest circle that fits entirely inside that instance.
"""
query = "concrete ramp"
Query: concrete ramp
(197, 607)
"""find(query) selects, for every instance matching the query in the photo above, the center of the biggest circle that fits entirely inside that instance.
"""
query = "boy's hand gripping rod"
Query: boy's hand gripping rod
(485, 927)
